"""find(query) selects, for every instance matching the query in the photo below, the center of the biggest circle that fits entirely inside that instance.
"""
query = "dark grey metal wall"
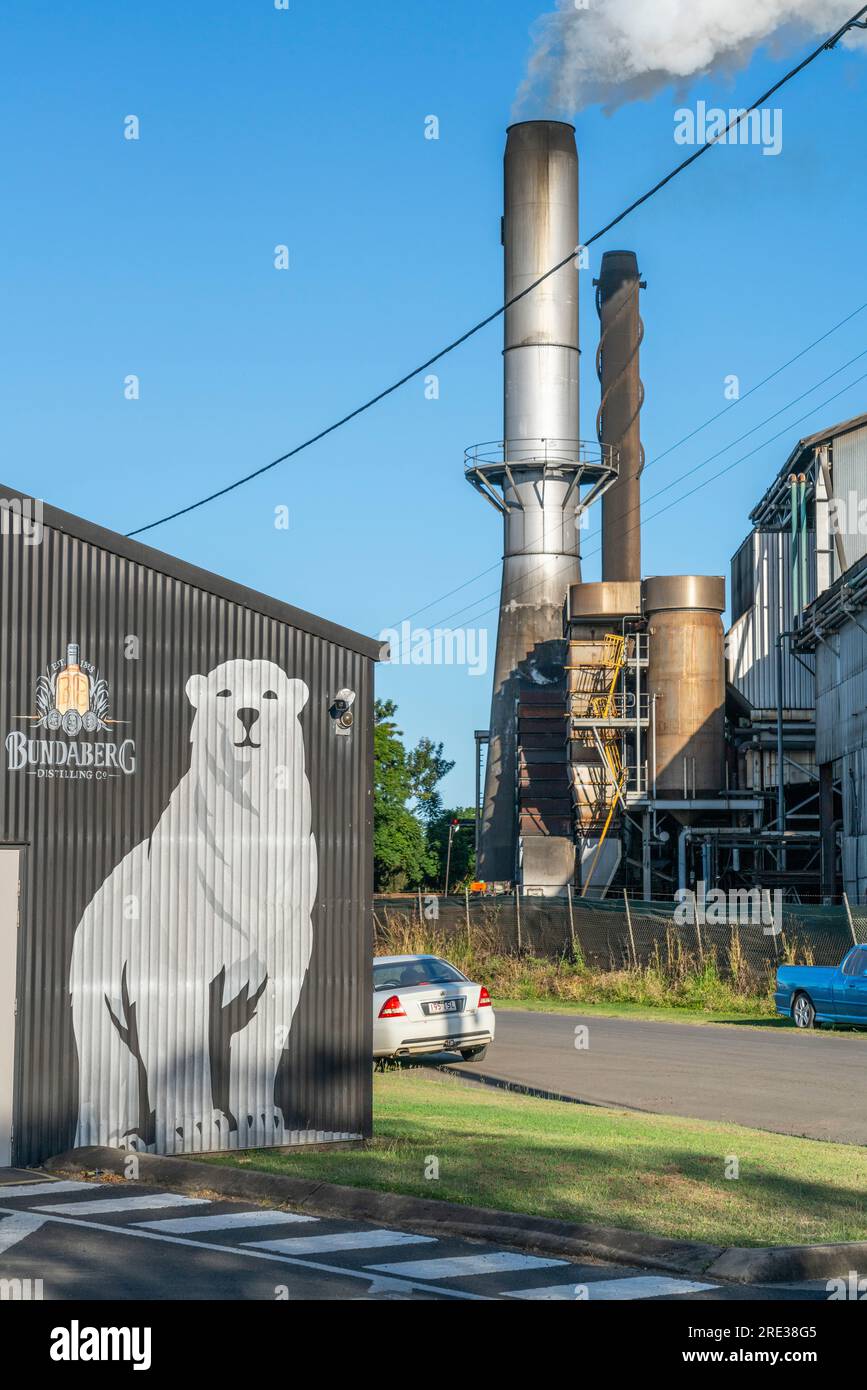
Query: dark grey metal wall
(148, 623)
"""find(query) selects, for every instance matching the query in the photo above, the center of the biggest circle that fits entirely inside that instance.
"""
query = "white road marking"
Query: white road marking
(16, 1227)
(454, 1267)
(42, 1189)
(249, 1252)
(189, 1225)
(635, 1286)
(124, 1204)
(344, 1240)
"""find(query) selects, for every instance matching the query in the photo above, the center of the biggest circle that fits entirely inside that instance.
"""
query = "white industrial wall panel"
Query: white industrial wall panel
(849, 482)
(751, 641)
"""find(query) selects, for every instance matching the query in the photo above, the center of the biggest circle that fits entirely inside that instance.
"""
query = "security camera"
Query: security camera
(341, 711)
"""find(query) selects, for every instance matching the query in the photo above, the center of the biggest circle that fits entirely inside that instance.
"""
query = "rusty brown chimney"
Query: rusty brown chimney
(618, 423)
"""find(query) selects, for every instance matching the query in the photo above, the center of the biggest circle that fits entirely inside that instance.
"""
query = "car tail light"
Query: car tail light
(392, 1008)
(484, 998)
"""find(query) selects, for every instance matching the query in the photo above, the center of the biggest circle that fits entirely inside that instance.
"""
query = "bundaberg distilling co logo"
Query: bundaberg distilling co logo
(71, 699)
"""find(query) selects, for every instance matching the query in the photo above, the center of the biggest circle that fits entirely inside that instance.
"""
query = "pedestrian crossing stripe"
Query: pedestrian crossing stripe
(458, 1266)
(613, 1290)
(123, 1204)
(343, 1240)
(42, 1189)
(16, 1228)
(230, 1220)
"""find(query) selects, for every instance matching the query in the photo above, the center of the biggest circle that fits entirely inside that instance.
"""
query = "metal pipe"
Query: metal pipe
(781, 769)
(802, 544)
(734, 833)
(793, 558)
(681, 856)
(781, 785)
(653, 730)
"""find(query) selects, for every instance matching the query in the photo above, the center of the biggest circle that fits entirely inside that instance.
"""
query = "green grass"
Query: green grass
(655, 1173)
(660, 1013)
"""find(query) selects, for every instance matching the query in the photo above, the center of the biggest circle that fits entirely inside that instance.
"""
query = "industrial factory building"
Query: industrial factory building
(633, 745)
(801, 548)
(832, 635)
(185, 854)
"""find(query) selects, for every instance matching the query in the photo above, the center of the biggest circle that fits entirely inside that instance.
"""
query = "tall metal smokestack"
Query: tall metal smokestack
(532, 478)
(619, 420)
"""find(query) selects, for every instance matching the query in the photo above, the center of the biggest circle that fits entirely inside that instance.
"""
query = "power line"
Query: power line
(692, 434)
(682, 477)
(491, 318)
(474, 617)
(753, 389)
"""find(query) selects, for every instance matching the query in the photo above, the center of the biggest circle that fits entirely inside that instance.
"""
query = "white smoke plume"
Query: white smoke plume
(613, 51)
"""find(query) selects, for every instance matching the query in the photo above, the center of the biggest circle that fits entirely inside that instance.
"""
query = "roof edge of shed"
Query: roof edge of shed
(151, 558)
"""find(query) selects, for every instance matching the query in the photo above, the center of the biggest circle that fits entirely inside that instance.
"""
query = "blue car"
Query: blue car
(814, 994)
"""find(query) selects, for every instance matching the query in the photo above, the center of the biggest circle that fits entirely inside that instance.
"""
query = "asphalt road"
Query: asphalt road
(121, 1240)
(783, 1080)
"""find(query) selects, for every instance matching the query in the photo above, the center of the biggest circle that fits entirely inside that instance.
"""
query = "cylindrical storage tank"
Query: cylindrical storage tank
(686, 681)
(187, 808)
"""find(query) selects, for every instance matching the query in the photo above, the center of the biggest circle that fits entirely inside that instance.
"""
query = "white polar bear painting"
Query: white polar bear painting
(188, 963)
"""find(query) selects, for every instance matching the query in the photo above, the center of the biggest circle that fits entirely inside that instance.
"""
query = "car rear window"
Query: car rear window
(856, 964)
(424, 970)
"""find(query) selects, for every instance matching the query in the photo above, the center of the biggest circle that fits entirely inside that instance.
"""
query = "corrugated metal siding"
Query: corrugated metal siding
(148, 633)
(849, 483)
(841, 693)
(751, 641)
(841, 739)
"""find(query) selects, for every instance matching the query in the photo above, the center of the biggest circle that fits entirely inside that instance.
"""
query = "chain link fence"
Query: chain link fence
(616, 935)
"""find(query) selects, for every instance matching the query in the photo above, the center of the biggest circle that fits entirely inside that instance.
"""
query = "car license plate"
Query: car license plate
(442, 1006)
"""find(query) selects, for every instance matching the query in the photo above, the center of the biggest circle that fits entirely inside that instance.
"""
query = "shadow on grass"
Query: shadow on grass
(676, 1191)
(621, 1179)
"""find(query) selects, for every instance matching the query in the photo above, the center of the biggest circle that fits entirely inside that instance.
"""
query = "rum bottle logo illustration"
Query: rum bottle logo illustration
(72, 690)
(72, 696)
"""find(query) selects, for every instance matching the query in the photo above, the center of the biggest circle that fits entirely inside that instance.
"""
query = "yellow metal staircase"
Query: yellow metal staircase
(598, 774)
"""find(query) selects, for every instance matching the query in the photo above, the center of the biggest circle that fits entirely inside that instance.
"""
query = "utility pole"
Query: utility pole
(453, 826)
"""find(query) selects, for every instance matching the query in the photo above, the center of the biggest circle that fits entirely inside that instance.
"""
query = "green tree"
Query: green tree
(404, 779)
(428, 767)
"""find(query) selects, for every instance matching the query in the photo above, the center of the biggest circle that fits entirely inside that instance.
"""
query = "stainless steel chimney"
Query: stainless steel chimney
(534, 476)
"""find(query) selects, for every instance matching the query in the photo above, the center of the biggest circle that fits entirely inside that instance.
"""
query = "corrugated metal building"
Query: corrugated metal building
(762, 608)
(187, 806)
(766, 602)
(834, 634)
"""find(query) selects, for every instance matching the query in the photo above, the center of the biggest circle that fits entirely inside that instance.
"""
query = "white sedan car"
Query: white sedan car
(423, 1004)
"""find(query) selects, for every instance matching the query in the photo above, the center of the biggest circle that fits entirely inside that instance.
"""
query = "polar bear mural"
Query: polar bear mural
(188, 963)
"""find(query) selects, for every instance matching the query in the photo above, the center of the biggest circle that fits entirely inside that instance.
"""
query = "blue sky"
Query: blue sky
(305, 127)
